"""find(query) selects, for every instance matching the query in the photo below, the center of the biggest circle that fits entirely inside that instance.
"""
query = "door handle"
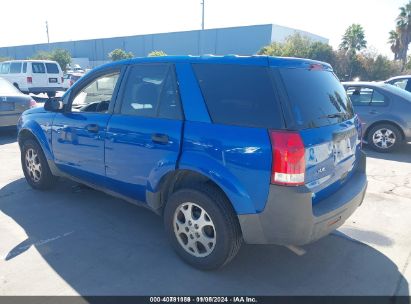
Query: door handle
(92, 128)
(160, 138)
(373, 112)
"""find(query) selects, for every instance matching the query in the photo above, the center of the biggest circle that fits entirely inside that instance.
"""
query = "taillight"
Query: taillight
(288, 167)
(71, 82)
(62, 79)
(32, 103)
(29, 79)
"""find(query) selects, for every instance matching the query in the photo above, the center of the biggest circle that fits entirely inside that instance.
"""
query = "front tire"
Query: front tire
(384, 138)
(202, 227)
(35, 167)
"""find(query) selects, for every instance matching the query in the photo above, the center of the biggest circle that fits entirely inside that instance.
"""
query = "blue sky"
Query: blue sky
(23, 22)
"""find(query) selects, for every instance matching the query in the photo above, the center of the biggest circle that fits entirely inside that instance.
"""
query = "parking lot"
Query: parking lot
(75, 240)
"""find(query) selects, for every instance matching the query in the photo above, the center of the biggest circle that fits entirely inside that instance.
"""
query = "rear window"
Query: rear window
(239, 95)
(317, 98)
(52, 68)
(15, 68)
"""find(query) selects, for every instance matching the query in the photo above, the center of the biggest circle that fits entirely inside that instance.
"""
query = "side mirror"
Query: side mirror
(54, 105)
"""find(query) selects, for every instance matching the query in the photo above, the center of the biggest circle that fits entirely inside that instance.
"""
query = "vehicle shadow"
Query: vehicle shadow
(8, 135)
(403, 154)
(103, 246)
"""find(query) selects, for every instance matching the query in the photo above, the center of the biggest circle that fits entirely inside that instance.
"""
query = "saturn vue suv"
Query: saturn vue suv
(227, 149)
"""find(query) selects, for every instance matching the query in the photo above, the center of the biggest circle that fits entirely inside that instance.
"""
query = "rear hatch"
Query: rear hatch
(316, 105)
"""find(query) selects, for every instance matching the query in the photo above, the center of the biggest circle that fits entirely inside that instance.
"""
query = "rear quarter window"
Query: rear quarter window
(52, 68)
(239, 95)
(317, 98)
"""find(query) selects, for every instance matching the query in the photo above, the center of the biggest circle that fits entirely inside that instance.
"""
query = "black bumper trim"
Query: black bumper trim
(289, 217)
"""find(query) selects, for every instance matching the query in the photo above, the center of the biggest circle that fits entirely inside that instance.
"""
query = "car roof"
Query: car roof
(257, 60)
(364, 83)
(30, 60)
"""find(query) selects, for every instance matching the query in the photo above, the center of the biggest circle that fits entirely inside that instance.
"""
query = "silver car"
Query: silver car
(385, 111)
(12, 103)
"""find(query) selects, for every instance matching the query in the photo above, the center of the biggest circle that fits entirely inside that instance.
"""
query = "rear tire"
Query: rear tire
(384, 138)
(202, 227)
(35, 167)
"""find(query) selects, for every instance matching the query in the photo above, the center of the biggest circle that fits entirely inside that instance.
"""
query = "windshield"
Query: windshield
(317, 98)
(7, 89)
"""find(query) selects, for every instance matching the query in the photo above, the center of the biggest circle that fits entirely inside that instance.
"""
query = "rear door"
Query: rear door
(319, 108)
(144, 135)
(54, 74)
(39, 75)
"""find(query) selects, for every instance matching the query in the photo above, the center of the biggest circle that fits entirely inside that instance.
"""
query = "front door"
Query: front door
(144, 135)
(79, 132)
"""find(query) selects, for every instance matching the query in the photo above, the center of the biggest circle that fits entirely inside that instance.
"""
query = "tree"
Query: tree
(404, 32)
(300, 46)
(63, 57)
(119, 54)
(394, 40)
(4, 59)
(353, 39)
(156, 54)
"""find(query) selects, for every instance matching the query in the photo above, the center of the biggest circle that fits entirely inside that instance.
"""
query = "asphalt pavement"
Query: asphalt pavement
(78, 241)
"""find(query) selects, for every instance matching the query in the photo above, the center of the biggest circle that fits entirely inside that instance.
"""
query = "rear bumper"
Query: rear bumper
(289, 217)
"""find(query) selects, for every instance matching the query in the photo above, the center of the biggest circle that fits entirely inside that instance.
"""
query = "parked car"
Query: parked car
(261, 149)
(33, 76)
(12, 103)
(76, 68)
(385, 111)
(401, 82)
(70, 78)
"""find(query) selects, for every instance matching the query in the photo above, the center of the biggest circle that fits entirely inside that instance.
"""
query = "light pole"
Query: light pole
(202, 19)
(47, 31)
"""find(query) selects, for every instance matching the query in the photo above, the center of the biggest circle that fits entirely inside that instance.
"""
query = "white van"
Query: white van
(33, 76)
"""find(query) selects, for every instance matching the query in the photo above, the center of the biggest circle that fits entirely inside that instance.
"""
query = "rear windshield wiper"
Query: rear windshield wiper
(335, 115)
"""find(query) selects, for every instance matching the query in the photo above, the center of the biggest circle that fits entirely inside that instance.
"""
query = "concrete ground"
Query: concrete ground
(73, 241)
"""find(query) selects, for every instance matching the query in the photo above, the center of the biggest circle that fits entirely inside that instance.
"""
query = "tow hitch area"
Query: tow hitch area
(297, 250)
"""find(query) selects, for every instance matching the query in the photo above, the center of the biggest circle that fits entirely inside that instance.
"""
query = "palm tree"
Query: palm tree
(404, 31)
(394, 40)
(353, 39)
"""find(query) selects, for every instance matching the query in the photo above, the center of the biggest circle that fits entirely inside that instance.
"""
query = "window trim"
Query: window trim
(170, 68)
(85, 81)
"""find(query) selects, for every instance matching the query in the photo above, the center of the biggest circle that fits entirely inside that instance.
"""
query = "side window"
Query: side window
(378, 98)
(24, 67)
(401, 83)
(38, 68)
(15, 68)
(151, 91)
(97, 95)
(362, 96)
(239, 95)
(5, 68)
(52, 68)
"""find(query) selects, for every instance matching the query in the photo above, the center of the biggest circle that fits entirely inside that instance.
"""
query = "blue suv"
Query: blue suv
(227, 149)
